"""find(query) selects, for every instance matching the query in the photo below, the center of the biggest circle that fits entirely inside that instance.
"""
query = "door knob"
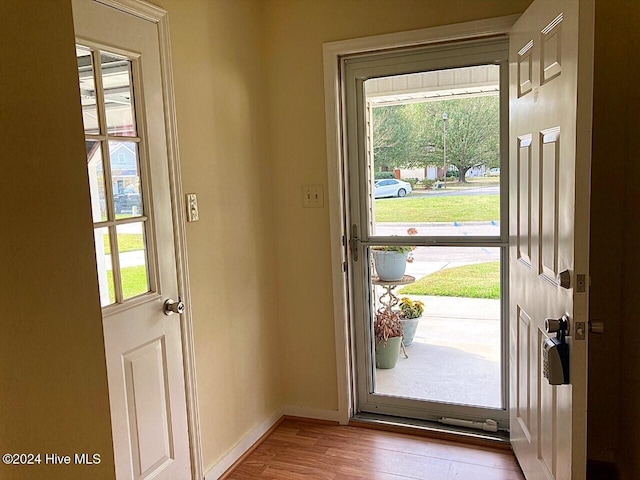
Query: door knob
(171, 307)
(564, 279)
(555, 325)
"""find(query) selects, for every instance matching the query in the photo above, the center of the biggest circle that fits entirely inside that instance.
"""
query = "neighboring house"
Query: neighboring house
(125, 177)
(124, 167)
(432, 172)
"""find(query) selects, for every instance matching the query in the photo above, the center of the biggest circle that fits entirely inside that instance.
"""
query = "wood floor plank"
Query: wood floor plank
(467, 471)
(302, 450)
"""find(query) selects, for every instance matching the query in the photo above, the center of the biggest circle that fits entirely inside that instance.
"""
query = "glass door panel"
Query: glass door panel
(87, 90)
(116, 175)
(96, 181)
(105, 267)
(434, 155)
(125, 172)
(452, 348)
(133, 259)
(425, 153)
(117, 94)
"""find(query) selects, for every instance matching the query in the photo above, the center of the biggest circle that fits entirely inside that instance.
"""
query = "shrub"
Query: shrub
(383, 175)
(412, 181)
(428, 183)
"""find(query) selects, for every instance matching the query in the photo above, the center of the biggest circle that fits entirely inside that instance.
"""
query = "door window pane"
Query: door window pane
(434, 161)
(87, 90)
(96, 181)
(452, 348)
(125, 175)
(105, 268)
(116, 81)
(133, 259)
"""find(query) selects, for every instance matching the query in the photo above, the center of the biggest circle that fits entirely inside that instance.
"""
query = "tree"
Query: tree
(391, 136)
(414, 134)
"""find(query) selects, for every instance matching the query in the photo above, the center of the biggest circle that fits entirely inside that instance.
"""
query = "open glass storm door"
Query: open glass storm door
(428, 232)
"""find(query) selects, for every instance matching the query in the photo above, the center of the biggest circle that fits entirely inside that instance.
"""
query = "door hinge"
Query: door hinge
(353, 243)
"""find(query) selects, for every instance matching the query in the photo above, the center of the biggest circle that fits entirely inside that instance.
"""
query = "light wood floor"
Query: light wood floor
(304, 450)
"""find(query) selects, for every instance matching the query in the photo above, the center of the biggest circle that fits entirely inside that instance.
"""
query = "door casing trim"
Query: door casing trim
(159, 16)
(339, 219)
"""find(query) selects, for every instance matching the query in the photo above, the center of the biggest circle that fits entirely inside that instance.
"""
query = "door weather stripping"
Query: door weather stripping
(353, 243)
(488, 425)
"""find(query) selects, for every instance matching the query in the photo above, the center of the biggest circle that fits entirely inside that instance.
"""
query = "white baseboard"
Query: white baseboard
(245, 444)
(315, 413)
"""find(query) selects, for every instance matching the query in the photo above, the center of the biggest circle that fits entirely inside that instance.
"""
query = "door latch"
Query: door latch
(353, 242)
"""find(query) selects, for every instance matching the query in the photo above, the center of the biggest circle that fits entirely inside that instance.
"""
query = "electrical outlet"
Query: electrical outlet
(312, 196)
(192, 208)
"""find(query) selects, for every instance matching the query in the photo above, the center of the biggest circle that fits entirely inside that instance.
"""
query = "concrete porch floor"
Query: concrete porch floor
(455, 356)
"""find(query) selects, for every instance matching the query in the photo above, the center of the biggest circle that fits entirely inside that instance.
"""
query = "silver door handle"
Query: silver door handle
(555, 325)
(171, 307)
(564, 279)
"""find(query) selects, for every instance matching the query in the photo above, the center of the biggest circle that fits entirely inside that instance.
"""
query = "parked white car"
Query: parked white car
(391, 188)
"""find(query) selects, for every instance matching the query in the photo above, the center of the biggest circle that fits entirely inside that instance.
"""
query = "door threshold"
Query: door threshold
(431, 429)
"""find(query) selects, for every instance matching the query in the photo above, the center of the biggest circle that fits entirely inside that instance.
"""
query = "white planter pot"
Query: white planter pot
(390, 266)
(409, 327)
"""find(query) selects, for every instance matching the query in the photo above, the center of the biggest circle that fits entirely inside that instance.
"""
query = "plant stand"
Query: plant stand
(389, 299)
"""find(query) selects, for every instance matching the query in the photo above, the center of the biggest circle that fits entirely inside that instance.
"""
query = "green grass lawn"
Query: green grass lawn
(127, 242)
(480, 280)
(438, 209)
(134, 282)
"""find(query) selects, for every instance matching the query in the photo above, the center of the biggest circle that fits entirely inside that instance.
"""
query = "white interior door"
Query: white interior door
(123, 112)
(550, 152)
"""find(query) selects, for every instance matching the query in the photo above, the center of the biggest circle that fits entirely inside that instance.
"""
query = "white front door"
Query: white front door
(550, 152)
(124, 121)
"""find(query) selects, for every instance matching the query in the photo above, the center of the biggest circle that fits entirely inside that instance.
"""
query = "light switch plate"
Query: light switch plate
(192, 208)
(312, 196)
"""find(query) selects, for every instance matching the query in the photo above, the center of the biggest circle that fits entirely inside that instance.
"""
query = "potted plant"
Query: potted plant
(387, 333)
(390, 261)
(411, 312)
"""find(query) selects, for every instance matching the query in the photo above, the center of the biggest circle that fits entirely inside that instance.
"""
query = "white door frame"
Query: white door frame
(157, 15)
(336, 147)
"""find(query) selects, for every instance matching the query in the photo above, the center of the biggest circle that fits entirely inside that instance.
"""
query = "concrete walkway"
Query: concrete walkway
(455, 356)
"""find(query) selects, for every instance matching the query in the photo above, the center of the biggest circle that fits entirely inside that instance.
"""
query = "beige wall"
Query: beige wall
(219, 75)
(53, 385)
(296, 32)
